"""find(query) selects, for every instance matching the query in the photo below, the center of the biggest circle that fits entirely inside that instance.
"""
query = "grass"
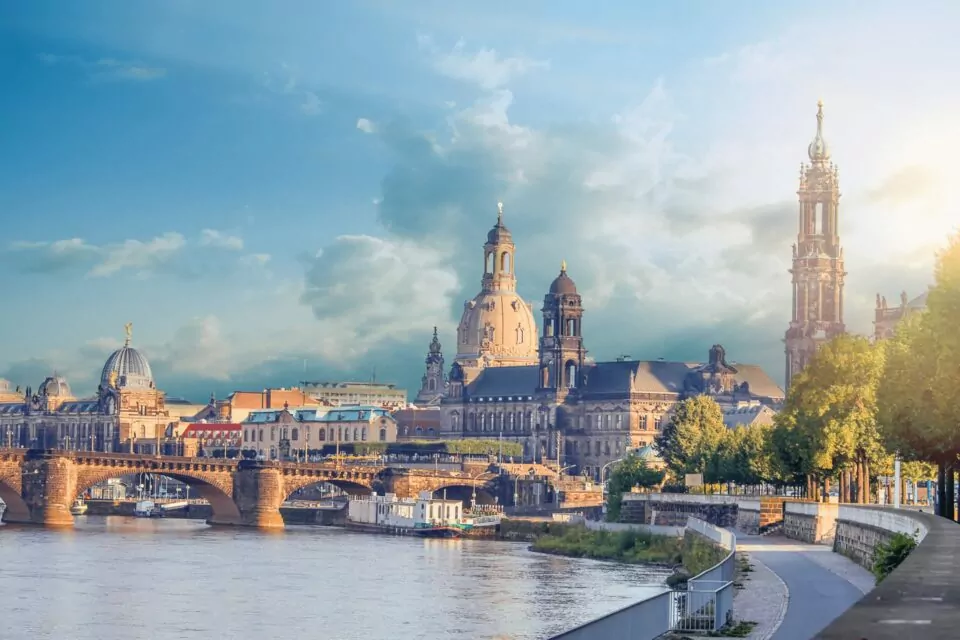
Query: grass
(630, 547)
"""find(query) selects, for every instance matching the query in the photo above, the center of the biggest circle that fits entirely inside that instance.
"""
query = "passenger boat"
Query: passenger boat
(147, 509)
(438, 531)
(79, 507)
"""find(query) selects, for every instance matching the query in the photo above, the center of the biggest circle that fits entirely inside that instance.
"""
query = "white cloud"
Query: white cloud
(256, 259)
(214, 238)
(107, 68)
(485, 67)
(139, 257)
(365, 291)
(312, 105)
(366, 126)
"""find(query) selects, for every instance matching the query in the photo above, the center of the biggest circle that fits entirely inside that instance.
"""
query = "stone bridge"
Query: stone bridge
(39, 486)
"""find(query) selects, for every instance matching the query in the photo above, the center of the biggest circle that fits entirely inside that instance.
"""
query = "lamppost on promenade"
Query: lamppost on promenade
(473, 503)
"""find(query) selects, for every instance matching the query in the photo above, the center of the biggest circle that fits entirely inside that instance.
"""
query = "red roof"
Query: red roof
(192, 430)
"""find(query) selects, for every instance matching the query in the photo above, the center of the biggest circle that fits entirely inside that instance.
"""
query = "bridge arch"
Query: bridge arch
(216, 487)
(463, 491)
(355, 483)
(17, 510)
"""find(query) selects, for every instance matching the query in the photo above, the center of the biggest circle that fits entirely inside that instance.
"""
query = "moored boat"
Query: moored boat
(79, 507)
(147, 509)
(438, 531)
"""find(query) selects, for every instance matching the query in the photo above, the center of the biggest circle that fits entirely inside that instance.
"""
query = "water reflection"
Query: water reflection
(127, 578)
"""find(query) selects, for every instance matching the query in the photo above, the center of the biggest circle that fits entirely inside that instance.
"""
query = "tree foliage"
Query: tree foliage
(691, 441)
(746, 455)
(632, 471)
(829, 418)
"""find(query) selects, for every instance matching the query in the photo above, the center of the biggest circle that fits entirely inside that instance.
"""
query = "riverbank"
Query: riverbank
(629, 547)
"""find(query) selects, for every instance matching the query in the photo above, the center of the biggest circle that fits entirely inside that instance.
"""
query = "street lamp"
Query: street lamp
(473, 504)
(603, 485)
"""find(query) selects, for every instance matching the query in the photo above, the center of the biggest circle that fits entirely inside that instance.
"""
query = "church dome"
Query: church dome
(497, 327)
(127, 367)
(563, 284)
(55, 387)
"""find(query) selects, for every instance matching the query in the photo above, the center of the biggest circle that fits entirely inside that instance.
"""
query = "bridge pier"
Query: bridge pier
(258, 494)
(48, 487)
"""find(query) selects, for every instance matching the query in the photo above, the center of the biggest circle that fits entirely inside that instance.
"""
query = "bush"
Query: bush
(887, 556)
(632, 547)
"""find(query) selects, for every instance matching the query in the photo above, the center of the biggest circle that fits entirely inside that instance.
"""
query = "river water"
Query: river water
(120, 578)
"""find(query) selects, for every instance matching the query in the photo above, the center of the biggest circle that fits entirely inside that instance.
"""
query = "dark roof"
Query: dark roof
(505, 381)
(498, 234)
(563, 284)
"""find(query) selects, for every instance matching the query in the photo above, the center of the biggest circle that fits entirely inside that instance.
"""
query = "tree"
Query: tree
(918, 411)
(632, 471)
(691, 441)
(829, 420)
(746, 455)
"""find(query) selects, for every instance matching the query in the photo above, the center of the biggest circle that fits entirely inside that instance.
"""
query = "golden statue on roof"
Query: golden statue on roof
(128, 329)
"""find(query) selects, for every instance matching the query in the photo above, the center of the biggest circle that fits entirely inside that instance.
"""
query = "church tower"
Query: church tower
(817, 258)
(562, 354)
(432, 384)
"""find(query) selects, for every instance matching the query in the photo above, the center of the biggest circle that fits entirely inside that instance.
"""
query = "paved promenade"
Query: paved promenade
(816, 585)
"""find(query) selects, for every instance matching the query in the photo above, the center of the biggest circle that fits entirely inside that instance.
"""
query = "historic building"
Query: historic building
(434, 381)
(554, 400)
(127, 414)
(497, 328)
(886, 318)
(302, 431)
(818, 272)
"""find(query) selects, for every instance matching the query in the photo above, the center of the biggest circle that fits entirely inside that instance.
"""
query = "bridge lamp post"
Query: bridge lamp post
(473, 504)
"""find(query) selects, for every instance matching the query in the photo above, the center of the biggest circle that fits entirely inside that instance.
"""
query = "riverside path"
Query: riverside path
(821, 585)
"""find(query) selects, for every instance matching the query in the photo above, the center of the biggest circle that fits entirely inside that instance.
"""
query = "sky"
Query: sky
(273, 191)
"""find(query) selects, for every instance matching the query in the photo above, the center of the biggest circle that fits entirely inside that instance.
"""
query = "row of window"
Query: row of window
(341, 434)
(520, 421)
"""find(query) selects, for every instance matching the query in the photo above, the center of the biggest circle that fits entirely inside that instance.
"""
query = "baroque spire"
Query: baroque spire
(819, 150)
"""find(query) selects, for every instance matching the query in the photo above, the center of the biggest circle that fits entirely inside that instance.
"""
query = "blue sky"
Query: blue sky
(258, 184)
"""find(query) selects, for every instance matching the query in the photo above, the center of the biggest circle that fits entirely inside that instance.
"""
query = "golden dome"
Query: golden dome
(497, 329)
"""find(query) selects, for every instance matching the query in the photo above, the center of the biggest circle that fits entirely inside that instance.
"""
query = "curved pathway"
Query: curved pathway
(820, 584)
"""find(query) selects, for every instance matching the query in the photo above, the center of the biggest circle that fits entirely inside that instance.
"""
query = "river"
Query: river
(120, 578)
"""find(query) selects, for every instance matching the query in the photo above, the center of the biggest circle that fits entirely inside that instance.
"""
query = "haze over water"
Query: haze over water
(128, 579)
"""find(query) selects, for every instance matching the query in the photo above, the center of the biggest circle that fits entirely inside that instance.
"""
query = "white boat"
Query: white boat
(146, 509)
(79, 507)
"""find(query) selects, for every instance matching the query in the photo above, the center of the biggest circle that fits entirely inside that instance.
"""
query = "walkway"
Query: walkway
(821, 584)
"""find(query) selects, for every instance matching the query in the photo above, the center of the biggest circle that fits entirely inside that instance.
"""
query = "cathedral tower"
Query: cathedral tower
(817, 258)
(432, 384)
(497, 328)
(562, 354)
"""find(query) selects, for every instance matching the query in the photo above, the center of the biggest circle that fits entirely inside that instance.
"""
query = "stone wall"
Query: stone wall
(861, 529)
(748, 516)
(672, 510)
(813, 522)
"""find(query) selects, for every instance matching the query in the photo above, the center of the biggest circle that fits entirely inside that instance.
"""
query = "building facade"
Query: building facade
(127, 414)
(886, 318)
(335, 394)
(560, 405)
(304, 431)
(818, 271)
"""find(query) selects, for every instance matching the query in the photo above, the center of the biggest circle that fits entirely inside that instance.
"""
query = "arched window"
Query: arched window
(505, 262)
(383, 435)
(246, 435)
(419, 431)
(296, 434)
(355, 434)
(488, 263)
(571, 375)
(490, 422)
(260, 436)
(431, 384)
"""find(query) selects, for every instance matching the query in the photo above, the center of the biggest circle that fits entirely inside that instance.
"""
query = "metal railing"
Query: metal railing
(706, 605)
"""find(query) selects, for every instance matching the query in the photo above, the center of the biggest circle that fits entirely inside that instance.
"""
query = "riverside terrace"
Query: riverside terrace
(918, 600)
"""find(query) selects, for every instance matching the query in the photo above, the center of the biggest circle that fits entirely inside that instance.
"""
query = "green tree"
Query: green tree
(632, 471)
(918, 411)
(747, 456)
(829, 418)
(691, 441)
